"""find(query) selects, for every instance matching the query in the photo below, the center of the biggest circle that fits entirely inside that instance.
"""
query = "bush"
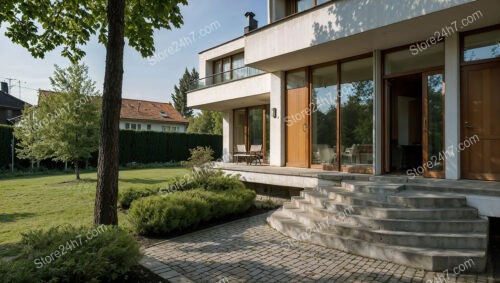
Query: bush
(57, 255)
(199, 156)
(217, 180)
(127, 196)
(175, 212)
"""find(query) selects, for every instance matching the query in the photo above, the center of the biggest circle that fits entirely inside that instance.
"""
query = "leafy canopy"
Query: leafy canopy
(42, 25)
(65, 124)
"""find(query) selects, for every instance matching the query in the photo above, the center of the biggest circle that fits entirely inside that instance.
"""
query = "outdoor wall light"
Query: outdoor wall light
(274, 112)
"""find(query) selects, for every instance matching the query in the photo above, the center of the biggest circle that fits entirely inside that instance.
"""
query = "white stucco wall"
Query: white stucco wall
(341, 19)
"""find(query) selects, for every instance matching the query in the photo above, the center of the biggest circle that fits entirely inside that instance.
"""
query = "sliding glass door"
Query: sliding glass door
(251, 127)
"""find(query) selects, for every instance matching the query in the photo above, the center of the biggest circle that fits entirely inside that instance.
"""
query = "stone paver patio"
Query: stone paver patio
(248, 250)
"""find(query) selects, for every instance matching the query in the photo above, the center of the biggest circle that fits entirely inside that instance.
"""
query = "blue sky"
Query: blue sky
(142, 80)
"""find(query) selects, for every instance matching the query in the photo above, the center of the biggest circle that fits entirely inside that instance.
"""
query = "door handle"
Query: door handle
(468, 125)
(305, 127)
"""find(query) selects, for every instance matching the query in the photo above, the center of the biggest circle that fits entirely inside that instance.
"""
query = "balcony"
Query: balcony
(237, 88)
(225, 77)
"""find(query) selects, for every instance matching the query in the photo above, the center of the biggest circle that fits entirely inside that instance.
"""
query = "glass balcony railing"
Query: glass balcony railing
(232, 75)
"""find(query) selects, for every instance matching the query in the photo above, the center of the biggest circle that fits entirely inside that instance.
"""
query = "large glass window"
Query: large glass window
(239, 124)
(482, 46)
(238, 63)
(251, 127)
(303, 5)
(406, 61)
(295, 79)
(324, 115)
(356, 112)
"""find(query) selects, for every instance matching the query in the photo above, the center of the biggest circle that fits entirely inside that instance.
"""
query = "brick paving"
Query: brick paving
(248, 250)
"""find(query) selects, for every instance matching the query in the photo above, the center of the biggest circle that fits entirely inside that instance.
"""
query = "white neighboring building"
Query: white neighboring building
(143, 115)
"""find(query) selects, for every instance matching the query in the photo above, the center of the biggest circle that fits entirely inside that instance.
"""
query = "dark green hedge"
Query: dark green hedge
(5, 150)
(148, 147)
(135, 146)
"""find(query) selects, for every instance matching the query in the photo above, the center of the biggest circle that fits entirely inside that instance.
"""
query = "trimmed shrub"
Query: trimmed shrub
(175, 212)
(199, 156)
(58, 255)
(127, 196)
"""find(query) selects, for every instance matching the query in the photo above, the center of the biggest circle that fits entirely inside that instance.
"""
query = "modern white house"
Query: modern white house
(370, 89)
(140, 115)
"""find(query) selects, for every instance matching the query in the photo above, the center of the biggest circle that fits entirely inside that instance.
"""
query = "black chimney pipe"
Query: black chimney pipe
(5, 87)
(252, 23)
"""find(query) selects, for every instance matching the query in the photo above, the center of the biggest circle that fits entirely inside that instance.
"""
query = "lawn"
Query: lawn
(42, 201)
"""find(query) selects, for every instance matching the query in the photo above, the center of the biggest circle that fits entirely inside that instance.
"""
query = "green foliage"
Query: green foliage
(127, 196)
(206, 122)
(105, 257)
(179, 98)
(148, 147)
(161, 215)
(41, 26)
(199, 156)
(65, 124)
(216, 180)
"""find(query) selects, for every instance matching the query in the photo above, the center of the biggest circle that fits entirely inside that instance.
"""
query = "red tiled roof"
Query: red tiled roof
(150, 111)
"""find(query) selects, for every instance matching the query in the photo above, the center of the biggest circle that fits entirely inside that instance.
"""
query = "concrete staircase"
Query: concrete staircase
(385, 221)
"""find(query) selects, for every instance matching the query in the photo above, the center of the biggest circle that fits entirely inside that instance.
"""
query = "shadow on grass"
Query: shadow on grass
(142, 181)
(10, 250)
(11, 217)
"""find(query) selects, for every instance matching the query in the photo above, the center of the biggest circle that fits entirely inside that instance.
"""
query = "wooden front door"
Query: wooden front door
(297, 127)
(480, 130)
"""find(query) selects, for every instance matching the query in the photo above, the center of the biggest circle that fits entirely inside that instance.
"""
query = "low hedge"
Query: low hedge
(175, 212)
(127, 196)
(58, 255)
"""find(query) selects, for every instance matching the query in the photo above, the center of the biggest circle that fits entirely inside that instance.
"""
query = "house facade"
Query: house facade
(377, 87)
(10, 106)
(142, 115)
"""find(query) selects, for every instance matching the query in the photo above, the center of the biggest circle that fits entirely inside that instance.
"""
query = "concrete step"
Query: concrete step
(433, 226)
(333, 192)
(433, 259)
(442, 214)
(427, 200)
(400, 238)
(373, 187)
(344, 197)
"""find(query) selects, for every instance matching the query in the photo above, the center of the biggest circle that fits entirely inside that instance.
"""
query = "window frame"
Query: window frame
(220, 73)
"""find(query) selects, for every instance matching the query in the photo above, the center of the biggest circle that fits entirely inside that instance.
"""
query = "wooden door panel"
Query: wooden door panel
(480, 115)
(297, 128)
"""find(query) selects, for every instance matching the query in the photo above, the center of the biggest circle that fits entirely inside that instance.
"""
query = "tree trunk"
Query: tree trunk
(105, 211)
(77, 170)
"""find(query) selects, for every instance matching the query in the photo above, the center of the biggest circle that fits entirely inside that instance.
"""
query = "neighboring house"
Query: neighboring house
(10, 106)
(143, 115)
(393, 88)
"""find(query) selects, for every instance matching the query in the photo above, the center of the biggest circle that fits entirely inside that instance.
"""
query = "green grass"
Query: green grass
(40, 202)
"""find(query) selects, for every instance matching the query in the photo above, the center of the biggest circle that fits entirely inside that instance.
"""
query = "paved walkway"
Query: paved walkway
(248, 250)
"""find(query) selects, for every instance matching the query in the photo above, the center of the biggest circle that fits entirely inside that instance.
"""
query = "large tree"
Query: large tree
(42, 25)
(179, 97)
(65, 124)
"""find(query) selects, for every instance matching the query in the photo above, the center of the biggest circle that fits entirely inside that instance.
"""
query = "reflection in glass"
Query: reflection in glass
(239, 127)
(217, 70)
(435, 121)
(405, 61)
(226, 68)
(238, 63)
(357, 113)
(482, 46)
(295, 79)
(268, 126)
(303, 5)
(324, 115)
